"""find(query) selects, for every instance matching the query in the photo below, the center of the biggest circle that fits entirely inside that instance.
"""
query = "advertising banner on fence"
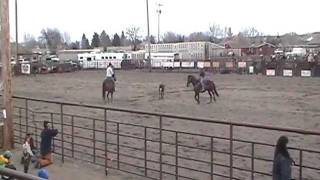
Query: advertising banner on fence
(207, 64)
(305, 73)
(242, 64)
(251, 69)
(229, 64)
(200, 64)
(25, 69)
(287, 72)
(271, 72)
(215, 64)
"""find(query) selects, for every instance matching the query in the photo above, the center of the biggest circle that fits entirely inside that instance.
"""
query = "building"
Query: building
(190, 51)
(264, 49)
(72, 54)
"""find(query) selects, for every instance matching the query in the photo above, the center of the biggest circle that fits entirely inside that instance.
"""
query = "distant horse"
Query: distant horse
(210, 87)
(161, 91)
(109, 86)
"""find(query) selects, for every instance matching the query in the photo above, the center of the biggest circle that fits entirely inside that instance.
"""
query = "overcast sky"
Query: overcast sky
(180, 16)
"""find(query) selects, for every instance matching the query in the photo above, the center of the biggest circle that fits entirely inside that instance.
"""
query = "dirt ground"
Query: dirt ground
(273, 101)
(283, 102)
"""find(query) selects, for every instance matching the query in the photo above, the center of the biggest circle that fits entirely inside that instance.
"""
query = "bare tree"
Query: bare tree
(133, 36)
(30, 41)
(52, 38)
(199, 36)
(216, 31)
(251, 32)
(170, 37)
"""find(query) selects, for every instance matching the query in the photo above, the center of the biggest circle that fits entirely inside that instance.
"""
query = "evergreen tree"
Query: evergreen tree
(116, 40)
(84, 42)
(95, 40)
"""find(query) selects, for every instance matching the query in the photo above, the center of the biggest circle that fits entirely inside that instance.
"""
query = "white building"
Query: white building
(190, 51)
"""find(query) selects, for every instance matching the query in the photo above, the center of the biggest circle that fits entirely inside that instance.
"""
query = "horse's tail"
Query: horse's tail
(215, 90)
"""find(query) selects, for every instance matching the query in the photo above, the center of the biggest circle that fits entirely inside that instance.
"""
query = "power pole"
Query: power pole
(159, 13)
(17, 41)
(149, 47)
(8, 142)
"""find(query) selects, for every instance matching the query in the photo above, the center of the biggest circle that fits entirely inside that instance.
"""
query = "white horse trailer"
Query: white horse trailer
(102, 60)
(163, 60)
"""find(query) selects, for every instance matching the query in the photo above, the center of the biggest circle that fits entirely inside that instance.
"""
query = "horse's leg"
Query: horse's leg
(210, 96)
(103, 93)
(108, 96)
(214, 96)
(111, 97)
(197, 98)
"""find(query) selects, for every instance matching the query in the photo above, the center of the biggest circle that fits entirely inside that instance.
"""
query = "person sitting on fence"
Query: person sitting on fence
(5, 161)
(282, 161)
(43, 174)
(47, 135)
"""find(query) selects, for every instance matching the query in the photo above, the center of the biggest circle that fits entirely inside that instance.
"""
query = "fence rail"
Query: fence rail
(157, 151)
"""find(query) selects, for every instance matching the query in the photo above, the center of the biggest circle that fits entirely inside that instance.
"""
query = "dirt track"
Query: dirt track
(284, 102)
(276, 101)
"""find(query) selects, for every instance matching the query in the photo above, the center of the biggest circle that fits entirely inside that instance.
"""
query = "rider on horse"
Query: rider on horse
(110, 73)
(203, 80)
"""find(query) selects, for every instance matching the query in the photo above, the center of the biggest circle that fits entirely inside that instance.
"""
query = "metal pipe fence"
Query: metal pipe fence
(158, 151)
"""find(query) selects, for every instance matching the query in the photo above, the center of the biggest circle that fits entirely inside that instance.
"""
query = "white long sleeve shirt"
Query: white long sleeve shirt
(109, 72)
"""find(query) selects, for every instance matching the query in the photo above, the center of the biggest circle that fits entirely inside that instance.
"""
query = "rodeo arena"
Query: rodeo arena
(156, 122)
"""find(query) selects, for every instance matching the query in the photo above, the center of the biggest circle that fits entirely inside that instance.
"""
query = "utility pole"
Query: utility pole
(8, 142)
(159, 13)
(17, 41)
(149, 48)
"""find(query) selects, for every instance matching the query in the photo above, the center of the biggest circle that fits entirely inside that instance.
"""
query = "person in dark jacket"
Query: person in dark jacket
(47, 135)
(282, 161)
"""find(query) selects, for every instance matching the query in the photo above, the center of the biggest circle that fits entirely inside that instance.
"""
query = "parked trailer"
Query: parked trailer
(102, 60)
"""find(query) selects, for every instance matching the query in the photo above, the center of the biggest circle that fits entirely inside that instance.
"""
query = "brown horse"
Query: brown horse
(161, 91)
(211, 88)
(109, 86)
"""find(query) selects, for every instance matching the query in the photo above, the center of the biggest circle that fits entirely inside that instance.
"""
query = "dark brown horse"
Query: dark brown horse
(109, 86)
(161, 91)
(210, 87)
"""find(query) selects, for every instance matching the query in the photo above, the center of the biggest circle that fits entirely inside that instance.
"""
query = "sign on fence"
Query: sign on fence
(251, 69)
(200, 64)
(242, 64)
(287, 72)
(215, 64)
(305, 73)
(25, 69)
(271, 72)
(207, 64)
(229, 64)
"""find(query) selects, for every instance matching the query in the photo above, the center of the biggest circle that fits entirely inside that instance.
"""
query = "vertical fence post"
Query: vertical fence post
(105, 142)
(145, 152)
(27, 109)
(20, 127)
(177, 150)
(62, 139)
(118, 146)
(211, 155)
(252, 161)
(51, 119)
(231, 152)
(300, 164)
(94, 140)
(72, 136)
(160, 146)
